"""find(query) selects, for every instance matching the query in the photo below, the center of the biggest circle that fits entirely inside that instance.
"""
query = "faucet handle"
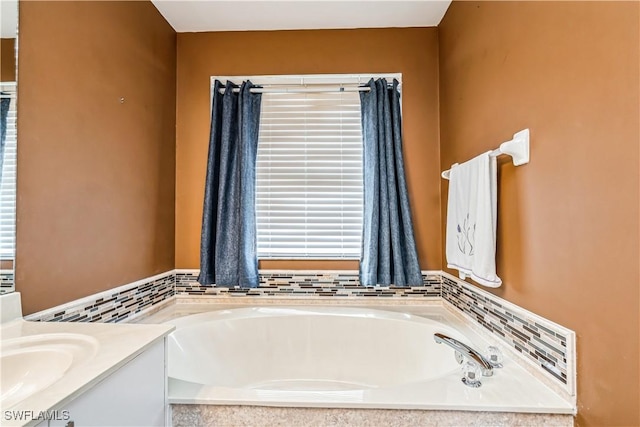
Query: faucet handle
(494, 356)
(471, 374)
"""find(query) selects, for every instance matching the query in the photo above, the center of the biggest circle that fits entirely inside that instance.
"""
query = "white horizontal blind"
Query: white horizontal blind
(309, 176)
(8, 184)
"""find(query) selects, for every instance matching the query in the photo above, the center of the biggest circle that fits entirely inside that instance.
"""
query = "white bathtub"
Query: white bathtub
(337, 357)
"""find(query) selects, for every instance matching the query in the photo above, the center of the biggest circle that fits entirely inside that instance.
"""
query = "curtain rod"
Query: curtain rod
(306, 89)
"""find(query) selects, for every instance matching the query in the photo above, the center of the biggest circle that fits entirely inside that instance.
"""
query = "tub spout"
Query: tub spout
(471, 354)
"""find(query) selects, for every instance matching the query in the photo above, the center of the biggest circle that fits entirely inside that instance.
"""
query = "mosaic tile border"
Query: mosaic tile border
(309, 284)
(114, 305)
(547, 345)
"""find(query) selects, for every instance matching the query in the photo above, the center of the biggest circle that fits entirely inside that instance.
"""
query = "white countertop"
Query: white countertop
(117, 344)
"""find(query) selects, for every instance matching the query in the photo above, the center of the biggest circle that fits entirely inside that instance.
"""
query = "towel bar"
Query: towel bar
(517, 148)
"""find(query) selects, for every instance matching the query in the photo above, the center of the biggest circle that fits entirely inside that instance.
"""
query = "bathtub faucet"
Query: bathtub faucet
(466, 351)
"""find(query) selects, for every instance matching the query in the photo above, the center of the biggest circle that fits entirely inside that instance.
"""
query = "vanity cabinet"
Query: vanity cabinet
(134, 395)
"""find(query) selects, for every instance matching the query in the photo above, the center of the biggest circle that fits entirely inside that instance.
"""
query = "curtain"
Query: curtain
(389, 253)
(4, 112)
(228, 241)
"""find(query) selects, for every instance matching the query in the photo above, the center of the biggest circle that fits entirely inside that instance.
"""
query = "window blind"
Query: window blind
(309, 176)
(8, 185)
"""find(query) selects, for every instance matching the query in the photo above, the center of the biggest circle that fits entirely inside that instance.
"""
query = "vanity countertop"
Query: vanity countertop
(104, 349)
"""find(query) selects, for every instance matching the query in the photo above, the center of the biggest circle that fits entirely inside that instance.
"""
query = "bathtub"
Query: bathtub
(338, 357)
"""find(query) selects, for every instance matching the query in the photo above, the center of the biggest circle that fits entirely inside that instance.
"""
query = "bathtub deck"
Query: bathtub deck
(507, 398)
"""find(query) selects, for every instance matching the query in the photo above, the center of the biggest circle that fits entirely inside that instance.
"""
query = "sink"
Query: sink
(32, 363)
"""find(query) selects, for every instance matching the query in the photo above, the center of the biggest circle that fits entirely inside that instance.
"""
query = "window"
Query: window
(309, 167)
(8, 182)
(309, 175)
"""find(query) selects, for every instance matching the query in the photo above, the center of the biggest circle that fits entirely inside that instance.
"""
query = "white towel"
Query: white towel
(471, 220)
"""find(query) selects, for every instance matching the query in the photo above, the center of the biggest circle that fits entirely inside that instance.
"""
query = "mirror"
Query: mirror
(8, 141)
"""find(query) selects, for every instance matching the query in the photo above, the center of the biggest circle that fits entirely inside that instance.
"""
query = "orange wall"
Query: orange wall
(7, 60)
(95, 176)
(568, 221)
(411, 51)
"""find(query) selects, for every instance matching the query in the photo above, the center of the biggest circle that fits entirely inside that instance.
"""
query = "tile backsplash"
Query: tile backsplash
(309, 284)
(114, 305)
(124, 302)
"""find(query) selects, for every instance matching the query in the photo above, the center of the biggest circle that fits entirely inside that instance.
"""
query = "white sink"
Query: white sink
(32, 363)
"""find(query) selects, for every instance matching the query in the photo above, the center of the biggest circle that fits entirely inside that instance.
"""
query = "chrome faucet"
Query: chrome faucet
(466, 351)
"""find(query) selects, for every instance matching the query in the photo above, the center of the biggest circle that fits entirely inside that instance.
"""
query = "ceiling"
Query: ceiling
(242, 15)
